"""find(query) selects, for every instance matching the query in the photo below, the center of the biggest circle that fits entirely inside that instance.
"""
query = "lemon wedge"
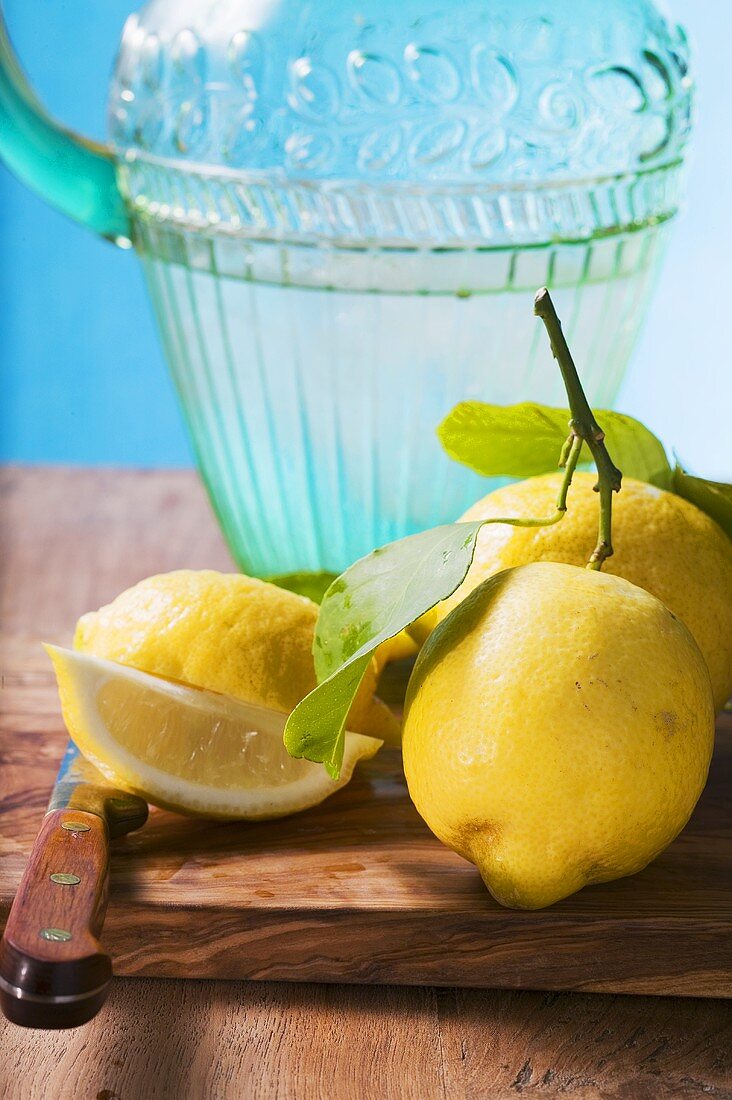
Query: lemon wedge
(189, 749)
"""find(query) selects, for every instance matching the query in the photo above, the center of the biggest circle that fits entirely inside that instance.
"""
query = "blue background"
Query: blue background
(83, 375)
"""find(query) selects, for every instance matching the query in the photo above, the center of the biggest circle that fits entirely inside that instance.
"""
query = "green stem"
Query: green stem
(584, 426)
(569, 459)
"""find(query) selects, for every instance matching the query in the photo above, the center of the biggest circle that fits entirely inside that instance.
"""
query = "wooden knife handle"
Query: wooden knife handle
(53, 972)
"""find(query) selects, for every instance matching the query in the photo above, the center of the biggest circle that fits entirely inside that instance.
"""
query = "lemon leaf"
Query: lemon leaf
(713, 497)
(504, 440)
(316, 728)
(525, 440)
(312, 585)
(375, 599)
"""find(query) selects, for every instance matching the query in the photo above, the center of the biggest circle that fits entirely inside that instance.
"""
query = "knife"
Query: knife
(53, 971)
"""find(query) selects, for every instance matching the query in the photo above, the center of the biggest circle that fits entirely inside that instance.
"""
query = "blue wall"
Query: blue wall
(83, 375)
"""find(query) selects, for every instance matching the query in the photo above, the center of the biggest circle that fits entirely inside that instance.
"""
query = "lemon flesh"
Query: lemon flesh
(186, 748)
(558, 730)
(228, 633)
(662, 543)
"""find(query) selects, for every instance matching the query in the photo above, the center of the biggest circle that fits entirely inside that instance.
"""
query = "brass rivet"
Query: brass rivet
(55, 934)
(75, 826)
(65, 880)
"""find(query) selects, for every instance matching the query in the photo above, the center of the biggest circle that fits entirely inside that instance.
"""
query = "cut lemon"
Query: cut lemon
(188, 749)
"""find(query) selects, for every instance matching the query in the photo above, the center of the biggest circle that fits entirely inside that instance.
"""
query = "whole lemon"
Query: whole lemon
(558, 730)
(662, 543)
(226, 632)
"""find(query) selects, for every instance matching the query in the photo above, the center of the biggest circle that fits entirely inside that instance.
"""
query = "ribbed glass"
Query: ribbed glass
(344, 210)
(312, 397)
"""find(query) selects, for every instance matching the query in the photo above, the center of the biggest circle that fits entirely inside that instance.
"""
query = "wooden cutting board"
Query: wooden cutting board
(356, 890)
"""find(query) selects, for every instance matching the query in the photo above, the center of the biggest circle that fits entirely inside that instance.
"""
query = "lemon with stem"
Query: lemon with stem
(662, 543)
(559, 722)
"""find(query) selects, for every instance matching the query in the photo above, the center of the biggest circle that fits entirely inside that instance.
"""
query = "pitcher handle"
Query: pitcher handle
(73, 174)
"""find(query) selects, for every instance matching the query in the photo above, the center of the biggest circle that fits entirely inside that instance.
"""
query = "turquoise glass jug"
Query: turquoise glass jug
(343, 209)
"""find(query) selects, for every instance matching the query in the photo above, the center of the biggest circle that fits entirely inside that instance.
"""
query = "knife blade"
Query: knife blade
(53, 970)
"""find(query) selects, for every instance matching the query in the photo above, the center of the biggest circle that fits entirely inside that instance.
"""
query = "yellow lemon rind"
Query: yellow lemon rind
(80, 676)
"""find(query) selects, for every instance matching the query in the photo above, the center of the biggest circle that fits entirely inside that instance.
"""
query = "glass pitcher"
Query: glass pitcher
(343, 210)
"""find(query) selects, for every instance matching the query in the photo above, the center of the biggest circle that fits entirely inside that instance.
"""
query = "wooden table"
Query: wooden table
(69, 541)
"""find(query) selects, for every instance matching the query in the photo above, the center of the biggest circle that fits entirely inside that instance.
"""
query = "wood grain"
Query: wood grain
(156, 1040)
(66, 538)
(53, 970)
(355, 890)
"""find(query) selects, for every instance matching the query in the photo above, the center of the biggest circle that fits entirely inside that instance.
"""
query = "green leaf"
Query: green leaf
(312, 585)
(372, 601)
(635, 449)
(713, 497)
(525, 440)
(504, 440)
(316, 727)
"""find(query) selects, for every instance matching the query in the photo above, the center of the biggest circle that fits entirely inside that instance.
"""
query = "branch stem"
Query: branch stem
(583, 426)
(569, 459)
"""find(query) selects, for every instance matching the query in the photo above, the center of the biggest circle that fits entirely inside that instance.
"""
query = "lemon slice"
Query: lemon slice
(188, 749)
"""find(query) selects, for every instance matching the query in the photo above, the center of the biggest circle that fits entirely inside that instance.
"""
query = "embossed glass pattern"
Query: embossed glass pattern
(344, 210)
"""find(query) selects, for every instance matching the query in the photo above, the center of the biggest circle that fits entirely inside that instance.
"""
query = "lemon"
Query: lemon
(399, 648)
(225, 632)
(662, 543)
(188, 749)
(558, 730)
